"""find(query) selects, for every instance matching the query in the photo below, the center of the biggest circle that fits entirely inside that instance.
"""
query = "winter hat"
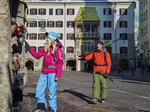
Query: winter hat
(52, 36)
(101, 42)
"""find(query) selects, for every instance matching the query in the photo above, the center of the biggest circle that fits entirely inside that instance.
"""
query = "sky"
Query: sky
(136, 19)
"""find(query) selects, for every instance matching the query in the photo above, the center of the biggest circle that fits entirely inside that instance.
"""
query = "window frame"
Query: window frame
(50, 11)
(32, 38)
(121, 24)
(107, 11)
(124, 38)
(34, 10)
(106, 23)
(68, 49)
(59, 23)
(68, 34)
(43, 36)
(42, 11)
(70, 13)
(125, 49)
(33, 24)
(59, 11)
(123, 12)
(106, 37)
(50, 25)
(40, 24)
(71, 25)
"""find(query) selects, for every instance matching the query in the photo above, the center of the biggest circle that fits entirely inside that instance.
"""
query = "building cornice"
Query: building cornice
(113, 1)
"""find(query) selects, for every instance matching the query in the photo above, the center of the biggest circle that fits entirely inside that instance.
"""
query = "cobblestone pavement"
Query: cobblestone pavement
(74, 93)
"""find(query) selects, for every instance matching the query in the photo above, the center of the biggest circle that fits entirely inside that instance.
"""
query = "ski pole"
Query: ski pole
(112, 80)
(112, 42)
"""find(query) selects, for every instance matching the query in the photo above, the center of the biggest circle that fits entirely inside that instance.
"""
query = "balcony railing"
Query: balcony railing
(87, 34)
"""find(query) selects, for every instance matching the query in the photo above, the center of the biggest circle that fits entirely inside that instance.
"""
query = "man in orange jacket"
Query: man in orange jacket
(101, 69)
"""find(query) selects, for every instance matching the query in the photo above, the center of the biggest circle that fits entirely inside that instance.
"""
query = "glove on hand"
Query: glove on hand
(105, 75)
(82, 54)
(26, 45)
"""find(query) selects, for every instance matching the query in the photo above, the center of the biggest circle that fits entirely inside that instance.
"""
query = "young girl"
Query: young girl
(51, 71)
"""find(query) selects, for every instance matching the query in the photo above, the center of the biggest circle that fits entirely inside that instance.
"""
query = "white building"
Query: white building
(81, 24)
(144, 30)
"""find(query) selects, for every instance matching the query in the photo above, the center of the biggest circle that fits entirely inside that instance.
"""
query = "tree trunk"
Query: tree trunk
(5, 57)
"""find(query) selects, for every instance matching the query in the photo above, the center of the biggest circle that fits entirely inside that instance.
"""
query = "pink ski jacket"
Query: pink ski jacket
(48, 60)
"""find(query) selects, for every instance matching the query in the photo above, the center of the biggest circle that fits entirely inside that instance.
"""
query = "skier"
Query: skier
(51, 71)
(101, 70)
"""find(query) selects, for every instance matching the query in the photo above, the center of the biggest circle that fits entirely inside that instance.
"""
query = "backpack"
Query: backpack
(64, 55)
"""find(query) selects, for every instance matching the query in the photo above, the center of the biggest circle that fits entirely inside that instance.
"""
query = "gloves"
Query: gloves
(105, 75)
(26, 45)
(82, 54)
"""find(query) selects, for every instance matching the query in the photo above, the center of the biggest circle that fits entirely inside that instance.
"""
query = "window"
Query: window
(70, 23)
(32, 36)
(27, 36)
(123, 11)
(59, 11)
(94, 28)
(39, 48)
(123, 36)
(50, 23)
(107, 11)
(33, 11)
(142, 18)
(146, 15)
(41, 36)
(70, 49)
(42, 11)
(59, 24)
(50, 11)
(42, 24)
(61, 36)
(80, 28)
(107, 23)
(147, 44)
(70, 11)
(142, 45)
(107, 36)
(123, 24)
(109, 49)
(141, 5)
(141, 31)
(87, 46)
(87, 28)
(33, 24)
(123, 50)
(70, 36)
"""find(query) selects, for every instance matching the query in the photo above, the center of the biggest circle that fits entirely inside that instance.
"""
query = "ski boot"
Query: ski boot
(102, 100)
(95, 101)
(40, 108)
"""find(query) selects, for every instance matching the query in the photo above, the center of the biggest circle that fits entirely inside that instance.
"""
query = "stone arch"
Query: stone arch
(29, 64)
(71, 64)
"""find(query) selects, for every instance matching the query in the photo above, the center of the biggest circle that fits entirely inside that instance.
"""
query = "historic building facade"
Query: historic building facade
(81, 24)
(144, 31)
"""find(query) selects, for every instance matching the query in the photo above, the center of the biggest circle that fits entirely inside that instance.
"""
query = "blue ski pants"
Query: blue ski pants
(44, 80)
